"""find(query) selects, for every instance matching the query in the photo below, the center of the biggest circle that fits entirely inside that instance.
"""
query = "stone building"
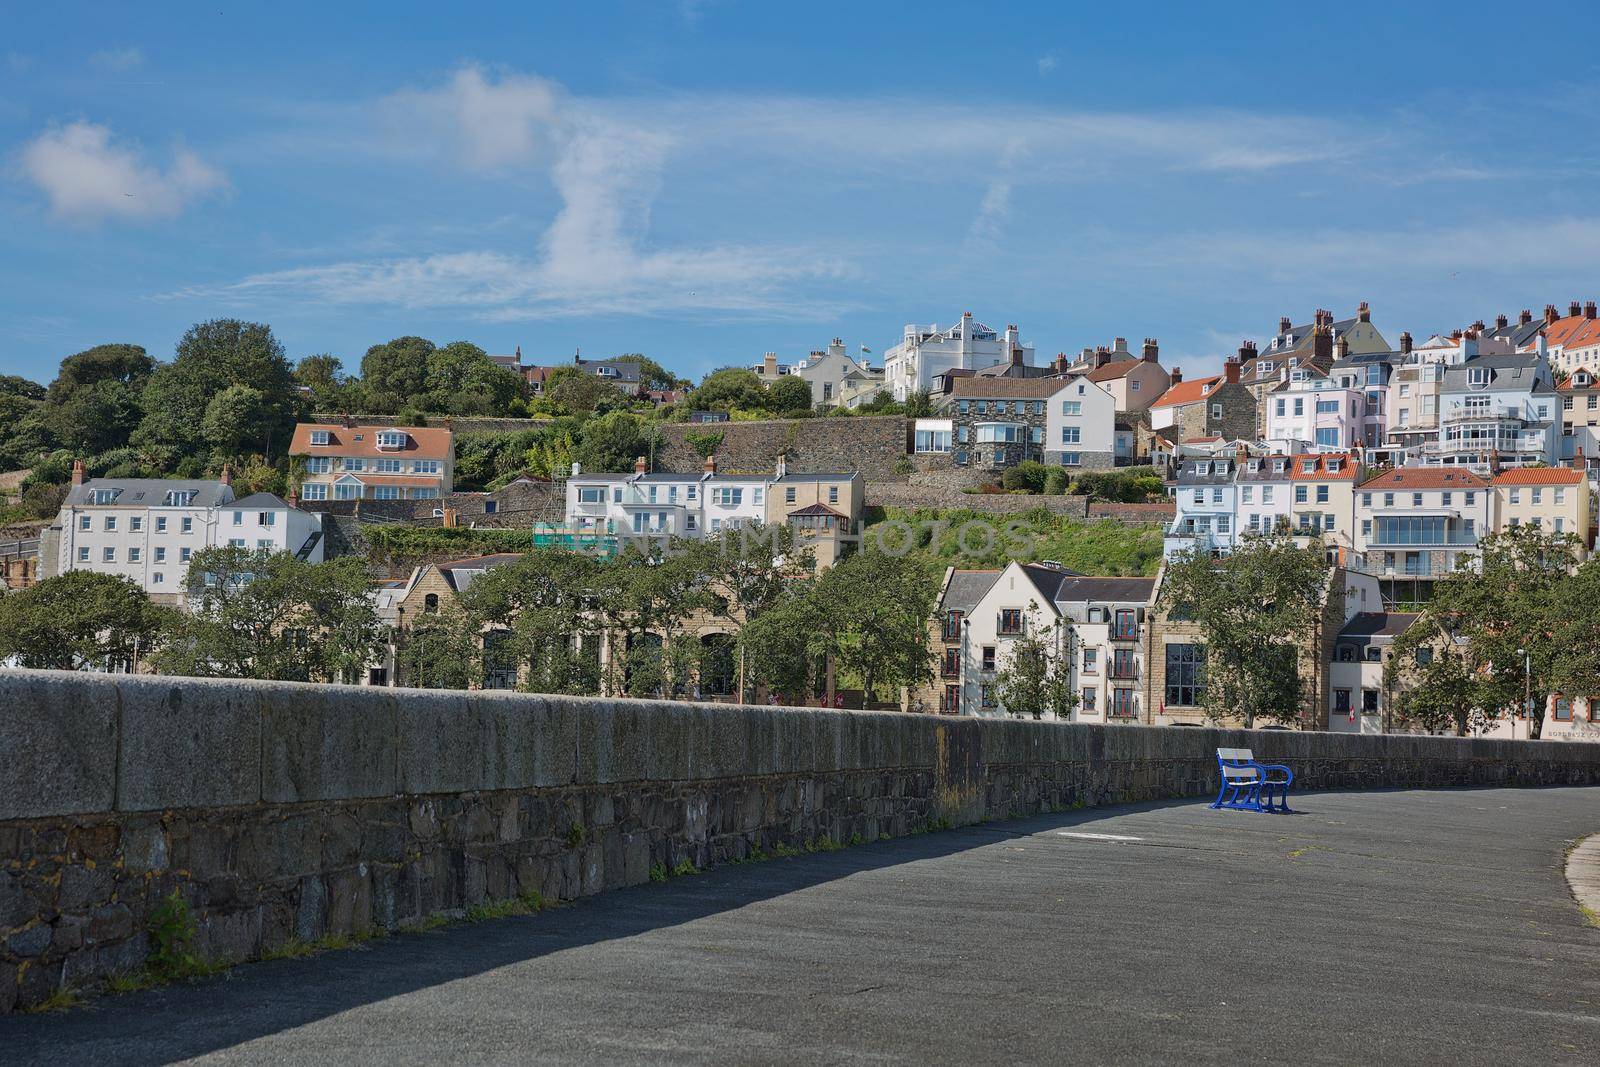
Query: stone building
(1217, 406)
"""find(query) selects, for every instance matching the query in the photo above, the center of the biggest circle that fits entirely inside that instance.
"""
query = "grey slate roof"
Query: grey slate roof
(1370, 625)
(1506, 374)
(150, 492)
(1105, 590)
(1048, 579)
(966, 588)
(261, 500)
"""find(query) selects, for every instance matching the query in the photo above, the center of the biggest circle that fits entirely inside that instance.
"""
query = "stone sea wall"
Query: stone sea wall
(286, 811)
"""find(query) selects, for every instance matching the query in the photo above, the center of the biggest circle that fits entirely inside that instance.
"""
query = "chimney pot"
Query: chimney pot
(1405, 341)
(1230, 371)
(641, 465)
(1588, 309)
(1574, 309)
(1121, 345)
(226, 477)
(1525, 318)
(1364, 313)
(77, 472)
(1500, 322)
(711, 464)
(1550, 313)
(1152, 350)
(1176, 376)
(1478, 327)
(1284, 324)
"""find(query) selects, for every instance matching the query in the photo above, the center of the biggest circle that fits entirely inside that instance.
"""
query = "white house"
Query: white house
(1264, 494)
(1206, 497)
(1080, 425)
(1317, 410)
(148, 529)
(1502, 408)
(674, 505)
(926, 352)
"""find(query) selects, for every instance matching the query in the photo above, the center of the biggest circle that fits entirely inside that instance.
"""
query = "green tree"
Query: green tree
(395, 373)
(96, 417)
(238, 419)
(572, 391)
(728, 388)
(1036, 677)
(874, 610)
(789, 394)
(463, 380)
(79, 619)
(613, 441)
(1252, 606)
(261, 614)
(544, 603)
(127, 365)
(1520, 616)
(211, 357)
(440, 650)
(331, 389)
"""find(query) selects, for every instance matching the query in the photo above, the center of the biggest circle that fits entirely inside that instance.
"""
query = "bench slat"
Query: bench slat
(1240, 772)
(1234, 753)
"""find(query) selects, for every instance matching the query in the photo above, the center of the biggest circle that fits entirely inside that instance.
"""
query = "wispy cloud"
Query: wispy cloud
(117, 60)
(476, 119)
(87, 176)
(1047, 63)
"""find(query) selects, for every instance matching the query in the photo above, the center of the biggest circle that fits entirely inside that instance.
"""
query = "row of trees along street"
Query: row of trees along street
(741, 613)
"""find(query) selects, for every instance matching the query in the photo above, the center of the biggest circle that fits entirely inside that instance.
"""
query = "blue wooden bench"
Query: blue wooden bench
(1251, 786)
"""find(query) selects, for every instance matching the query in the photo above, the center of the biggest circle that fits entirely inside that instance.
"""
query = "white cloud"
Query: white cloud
(1047, 64)
(117, 60)
(87, 176)
(483, 124)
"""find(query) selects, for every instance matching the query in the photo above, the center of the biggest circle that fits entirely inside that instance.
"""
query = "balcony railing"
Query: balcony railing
(1128, 674)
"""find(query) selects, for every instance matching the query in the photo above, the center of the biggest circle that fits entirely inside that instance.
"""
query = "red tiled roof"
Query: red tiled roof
(1347, 472)
(1425, 478)
(422, 442)
(1188, 392)
(1539, 476)
(1574, 331)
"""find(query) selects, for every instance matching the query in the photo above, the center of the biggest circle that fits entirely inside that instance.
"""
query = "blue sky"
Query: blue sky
(707, 181)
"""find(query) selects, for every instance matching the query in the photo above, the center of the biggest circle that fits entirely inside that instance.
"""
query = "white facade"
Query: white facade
(147, 530)
(674, 505)
(1207, 504)
(1318, 411)
(1264, 494)
(926, 352)
(1080, 418)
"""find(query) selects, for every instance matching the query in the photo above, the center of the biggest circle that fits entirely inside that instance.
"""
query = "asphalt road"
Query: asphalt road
(1394, 927)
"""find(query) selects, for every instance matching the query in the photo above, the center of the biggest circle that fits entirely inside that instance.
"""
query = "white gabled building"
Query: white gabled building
(657, 505)
(927, 352)
(147, 529)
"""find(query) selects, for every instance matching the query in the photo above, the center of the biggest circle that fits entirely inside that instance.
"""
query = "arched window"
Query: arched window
(430, 602)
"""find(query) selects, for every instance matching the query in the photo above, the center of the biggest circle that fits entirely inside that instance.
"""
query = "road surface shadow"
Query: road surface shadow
(192, 1018)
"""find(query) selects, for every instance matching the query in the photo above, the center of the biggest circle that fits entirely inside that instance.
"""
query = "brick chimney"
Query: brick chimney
(1525, 318)
(1588, 309)
(1121, 345)
(1405, 342)
(519, 354)
(1341, 347)
(77, 472)
(1574, 309)
(1322, 341)
(1152, 350)
(1550, 313)
(769, 365)
(641, 465)
(1364, 312)
(1061, 363)
(226, 477)
(711, 464)
(1230, 370)
(1176, 376)
(1247, 350)
(1016, 357)
(1284, 324)
(1478, 327)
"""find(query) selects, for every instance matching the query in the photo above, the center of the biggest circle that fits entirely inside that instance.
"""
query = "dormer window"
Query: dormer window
(1335, 465)
(1264, 369)
(1308, 466)
(106, 496)
(319, 437)
(1478, 376)
(179, 498)
(391, 439)
(1280, 465)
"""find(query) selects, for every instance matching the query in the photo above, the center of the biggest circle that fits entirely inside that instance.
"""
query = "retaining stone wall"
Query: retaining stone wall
(925, 496)
(871, 444)
(281, 810)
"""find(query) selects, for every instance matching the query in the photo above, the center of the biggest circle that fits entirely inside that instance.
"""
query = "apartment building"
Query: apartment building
(1580, 416)
(1573, 342)
(1550, 499)
(926, 353)
(148, 529)
(1314, 412)
(1492, 409)
(959, 595)
(351, 461)
(1104, 623)
(1413, 402)
(824, 510)
(1415, 523)
(1000, 422)
(1322, 496)
(1081, 425)
(1360, 698)
(838, 379)
(1265, 494)
(1204, 492)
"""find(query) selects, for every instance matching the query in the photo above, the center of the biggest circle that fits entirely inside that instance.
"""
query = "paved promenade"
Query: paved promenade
(1397, 927)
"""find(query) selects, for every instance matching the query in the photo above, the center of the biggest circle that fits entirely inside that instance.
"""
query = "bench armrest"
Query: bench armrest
(1288, 775)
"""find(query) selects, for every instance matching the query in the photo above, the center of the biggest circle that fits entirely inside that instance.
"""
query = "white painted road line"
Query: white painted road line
(1098, 837)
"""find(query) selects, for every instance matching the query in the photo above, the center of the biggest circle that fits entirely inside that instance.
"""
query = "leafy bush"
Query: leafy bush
(1028, 476)
(1055, 481)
